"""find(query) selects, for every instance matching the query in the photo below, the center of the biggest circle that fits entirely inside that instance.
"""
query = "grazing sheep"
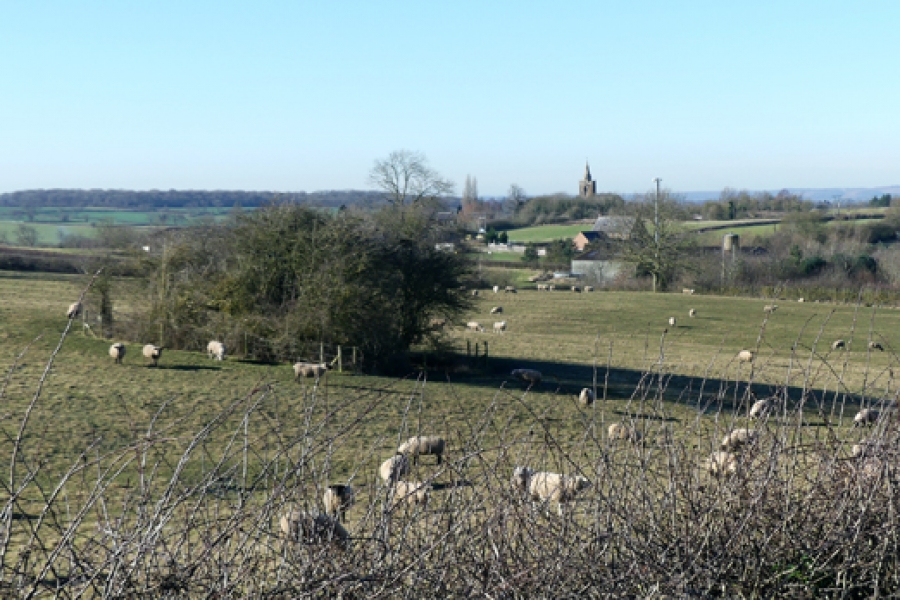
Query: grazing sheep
(510, 289)
(474, 292)
(74, 310)
(801, 300)
(117, 351)
(496, 310)
(575, 288)
(551, 287)
(589, 288)
(838, 344)
(721, 463)
(416, 493)
(692, 313)
(739, 438)
(520, 478)
(867, 416)
(619, 431)
(298, 526)
(307, 369)
(499, 326)
(672, 321)
(770, 308)
(422, 445)
(876, 346)
(215, 350)
(745, 356)
(393, 468)
(586, 397)
(338, 499)
(760, 408)
(542, 287)
(552, 487)
(687, 291)
(496, 289)
(437, 323)
(474, 326)
(153, 353)
(527, 375)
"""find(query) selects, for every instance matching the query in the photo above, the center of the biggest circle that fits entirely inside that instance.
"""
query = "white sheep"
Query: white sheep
(474, 292)
(692, 313)
(474, 326)
(866, 416)
(760, 408)
(739, 438)
(499, 326)
(721, 463)
(619, 431)
(745, 356)
(863, 448)
(770, 308)
(520, 478)
(74, 310)
(589, 288)
(586, 397)
(838, 344)
(299, 526)
(496, 310)
(338, 499)
(575, 288)
(117, 351)
(153, 353)
(510, 289)
(672, 321)
(496, 289)
(307, 369)
(801, 300)
(527, 375)
(687, 291)
(541, 287)
(873, 345)
(551, 287)
(215, 350)
(421, 445)
(416, 493)
(547, 487)
(393, 468)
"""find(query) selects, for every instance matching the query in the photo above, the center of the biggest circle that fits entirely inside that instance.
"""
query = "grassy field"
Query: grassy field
(74, 216)
(547, 233)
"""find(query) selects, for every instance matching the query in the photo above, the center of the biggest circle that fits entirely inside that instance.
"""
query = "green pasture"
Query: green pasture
(546, 233)
(74, 216)
(47, 234)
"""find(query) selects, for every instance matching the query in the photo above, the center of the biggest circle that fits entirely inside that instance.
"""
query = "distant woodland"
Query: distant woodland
(183, 198)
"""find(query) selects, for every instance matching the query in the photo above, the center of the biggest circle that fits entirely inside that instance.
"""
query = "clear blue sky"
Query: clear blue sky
(306, 95)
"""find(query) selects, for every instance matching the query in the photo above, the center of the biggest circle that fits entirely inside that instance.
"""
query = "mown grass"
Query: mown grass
(546, 233)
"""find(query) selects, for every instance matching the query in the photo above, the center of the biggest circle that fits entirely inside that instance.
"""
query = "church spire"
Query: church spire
(587, 171)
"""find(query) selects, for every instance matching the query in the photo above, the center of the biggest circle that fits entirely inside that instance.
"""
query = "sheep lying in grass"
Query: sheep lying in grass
(117, 351)
(867, 416)
(338, 499)
(496, 310)
(547, 487)
(586, 397)
(394, 468)
(739, 438)
(720, 463)
(499, 326)
(299, 526)
(475, 326)
(620, 431)
(876, 346)
(153, 353)
(423, 445)
(838, 344)
(74, 310)
(307, 369)
(760, 408)
(527, 375)
(770, 308)
(215, 350)
(745, 356)
(416, 493)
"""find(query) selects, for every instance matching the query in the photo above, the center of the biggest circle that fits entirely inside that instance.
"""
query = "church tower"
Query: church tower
(587, 187)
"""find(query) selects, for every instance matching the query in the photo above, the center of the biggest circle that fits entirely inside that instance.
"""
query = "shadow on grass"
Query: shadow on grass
(184, 368)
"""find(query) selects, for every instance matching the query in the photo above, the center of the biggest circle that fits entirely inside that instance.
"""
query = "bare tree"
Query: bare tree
(470, 191)
(406, 179)
(515, 197)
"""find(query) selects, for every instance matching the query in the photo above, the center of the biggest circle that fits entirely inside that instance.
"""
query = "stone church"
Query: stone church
(587, 187)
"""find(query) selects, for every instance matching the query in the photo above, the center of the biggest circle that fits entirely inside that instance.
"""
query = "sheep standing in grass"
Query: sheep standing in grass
(499, 326)
(551, 287)
(474, 293)
(496, 310)
(838, 344)
(415, 493)
(672, 321)
(520, 478)
(496, 289)
(586, 397)
(299, 526)
(422, 445)
(474, 326)
(215, 350)
(74, 310)
(876, 346)
(394, 468)
(547, 487)
(692, 313)
(801, 300)
(721, 463)
(338, 499)
(527, 375)
(745, 356)
(619, 431)
(867, 416)
(760, 408)
(589, 288)
(510, 289)
(739, 438)
(770, 308)
(688, 291)
(307, 369)
(153, 353)
(117, 351)
(575, 288)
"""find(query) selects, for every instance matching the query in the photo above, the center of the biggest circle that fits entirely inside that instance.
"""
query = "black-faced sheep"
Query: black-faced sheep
(338, 499)
(760, 408)
(586, 397)
(153, 353)
(215, 350)
(117, 351)
(838, 344)
(876, 346)
(867, 416)
(692, 313)
(422, 445)
(589, 288)
(74, 310)
(496, 310)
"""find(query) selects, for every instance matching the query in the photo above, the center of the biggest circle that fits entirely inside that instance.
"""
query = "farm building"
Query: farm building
(597, 265)
(584, 238)
(614, 227)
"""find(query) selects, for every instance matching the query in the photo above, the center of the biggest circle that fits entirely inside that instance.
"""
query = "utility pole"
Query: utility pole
(656, 230)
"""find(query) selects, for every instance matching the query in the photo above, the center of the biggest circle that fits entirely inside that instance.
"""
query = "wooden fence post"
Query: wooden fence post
(321, 353)
(485, 352)
(340, 361)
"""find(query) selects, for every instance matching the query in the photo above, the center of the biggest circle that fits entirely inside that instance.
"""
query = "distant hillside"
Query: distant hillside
(850, 195)
(182, 198)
